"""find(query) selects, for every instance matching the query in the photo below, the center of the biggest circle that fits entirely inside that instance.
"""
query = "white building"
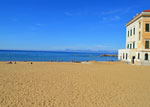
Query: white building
(137, 40)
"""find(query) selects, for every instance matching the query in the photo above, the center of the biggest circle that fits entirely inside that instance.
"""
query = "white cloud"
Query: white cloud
(110, 19)
(68, 14)
(76, 13)
(38, 24)
(115, 14)
(110, 12)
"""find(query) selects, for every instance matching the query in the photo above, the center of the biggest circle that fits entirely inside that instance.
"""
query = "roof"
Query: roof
(146, 10)
(143, 13)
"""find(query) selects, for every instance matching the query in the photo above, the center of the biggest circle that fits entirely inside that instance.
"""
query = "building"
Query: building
(137, 40)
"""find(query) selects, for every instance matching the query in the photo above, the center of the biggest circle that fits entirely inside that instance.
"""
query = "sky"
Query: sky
(66, 24)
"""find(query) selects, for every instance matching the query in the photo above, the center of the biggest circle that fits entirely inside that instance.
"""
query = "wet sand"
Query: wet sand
(60, 84)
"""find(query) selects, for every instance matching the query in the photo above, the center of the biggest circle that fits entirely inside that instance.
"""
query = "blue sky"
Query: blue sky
(66, 24)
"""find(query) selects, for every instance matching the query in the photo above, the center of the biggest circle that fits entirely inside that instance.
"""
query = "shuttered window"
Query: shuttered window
(146, 44)
(138, 55)
(131, 32)
(134, 31)
(128, 46)
(146, 27)
(139, 35)
(133, 45)
(126, 56)
(139, 24)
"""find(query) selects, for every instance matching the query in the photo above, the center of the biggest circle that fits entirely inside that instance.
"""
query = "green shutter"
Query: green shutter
(138, 55)
(139, 37)
(146, 44)
(134, 31)
(131, 32)
(133, 45)
(128, 46)
(147, 27)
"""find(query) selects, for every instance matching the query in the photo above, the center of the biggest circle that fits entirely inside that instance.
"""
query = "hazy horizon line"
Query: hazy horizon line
(66, 50)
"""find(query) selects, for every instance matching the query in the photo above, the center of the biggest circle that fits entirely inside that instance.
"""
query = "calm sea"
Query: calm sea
(13, 55)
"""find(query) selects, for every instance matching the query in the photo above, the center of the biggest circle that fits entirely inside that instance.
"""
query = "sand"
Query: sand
(97, 84)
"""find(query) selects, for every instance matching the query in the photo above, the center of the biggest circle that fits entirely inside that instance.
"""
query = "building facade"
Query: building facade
(137, 40)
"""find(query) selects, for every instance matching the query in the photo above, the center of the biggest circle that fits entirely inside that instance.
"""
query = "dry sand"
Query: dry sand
(46, 84)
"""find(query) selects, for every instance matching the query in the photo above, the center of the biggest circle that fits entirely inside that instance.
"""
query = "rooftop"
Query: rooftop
(143, 13)
(146, 10)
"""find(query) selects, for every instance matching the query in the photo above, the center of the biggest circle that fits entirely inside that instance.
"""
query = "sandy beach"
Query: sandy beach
(66, 84)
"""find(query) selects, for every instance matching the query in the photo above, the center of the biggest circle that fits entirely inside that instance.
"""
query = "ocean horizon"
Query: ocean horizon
(54, 56)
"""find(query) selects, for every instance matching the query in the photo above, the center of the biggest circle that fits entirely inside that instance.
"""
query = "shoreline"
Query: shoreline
(56, 61)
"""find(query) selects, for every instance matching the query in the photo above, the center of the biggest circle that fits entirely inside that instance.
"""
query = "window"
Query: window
(126, 56)
(139, 35)
(128, 33)
(138, 55)
(133, 45)
(130, 46)
(147, 44)
(131, 32)
(134, 31)
(146, 27)
(123, 55)
(139, 24)
(146, 56)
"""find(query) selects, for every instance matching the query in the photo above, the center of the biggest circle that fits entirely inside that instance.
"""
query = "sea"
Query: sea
(54, 56)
